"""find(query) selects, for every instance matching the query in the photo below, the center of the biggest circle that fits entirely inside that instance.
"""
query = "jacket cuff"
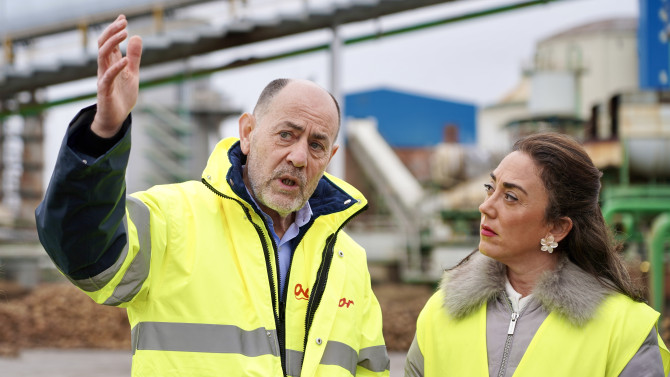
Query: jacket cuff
(81, 139)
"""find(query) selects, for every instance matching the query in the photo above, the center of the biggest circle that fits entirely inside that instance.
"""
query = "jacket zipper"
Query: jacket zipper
(322, 278)
(266, 252)
(514, 318)
(508, 343)
(319, 285)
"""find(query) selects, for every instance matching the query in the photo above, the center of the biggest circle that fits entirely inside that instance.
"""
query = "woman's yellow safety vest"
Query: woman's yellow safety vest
(602, 347)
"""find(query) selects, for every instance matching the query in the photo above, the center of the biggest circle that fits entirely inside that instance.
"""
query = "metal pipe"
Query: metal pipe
(71, 22)
(634, 205)
(158, 15)
(32, 109)
(83, 31)
(9, 50)
(629, 222)
(336, 166)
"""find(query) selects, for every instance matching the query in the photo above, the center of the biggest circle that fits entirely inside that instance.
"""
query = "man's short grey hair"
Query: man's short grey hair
(270, 91)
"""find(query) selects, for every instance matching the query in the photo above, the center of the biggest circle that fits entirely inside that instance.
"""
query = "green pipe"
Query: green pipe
(647, 191)
(467, 16)
(660, 234)
(32, 109)
(634, 205)
(629, 221)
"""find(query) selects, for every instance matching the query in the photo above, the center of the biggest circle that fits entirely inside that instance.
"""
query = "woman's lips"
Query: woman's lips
(488, 232)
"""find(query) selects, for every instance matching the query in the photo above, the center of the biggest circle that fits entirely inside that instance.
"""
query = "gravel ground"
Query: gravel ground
(98, 363)
(67, 363)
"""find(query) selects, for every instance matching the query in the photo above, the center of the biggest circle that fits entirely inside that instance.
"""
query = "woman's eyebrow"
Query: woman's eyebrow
(509, 185)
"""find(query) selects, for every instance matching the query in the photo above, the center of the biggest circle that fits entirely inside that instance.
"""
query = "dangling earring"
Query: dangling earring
(548, 244)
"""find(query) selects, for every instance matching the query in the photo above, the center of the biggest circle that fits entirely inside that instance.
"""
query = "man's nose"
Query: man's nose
(297, 156)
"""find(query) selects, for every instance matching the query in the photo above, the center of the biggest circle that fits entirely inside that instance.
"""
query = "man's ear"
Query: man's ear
(247, 123)
(561, 228)
(332, 153)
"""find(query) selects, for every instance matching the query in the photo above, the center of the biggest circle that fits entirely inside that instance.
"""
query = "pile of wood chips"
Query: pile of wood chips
(401, 305)
(57, 315)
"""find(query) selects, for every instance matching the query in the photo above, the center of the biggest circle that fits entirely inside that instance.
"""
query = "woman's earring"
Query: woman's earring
(548, 244)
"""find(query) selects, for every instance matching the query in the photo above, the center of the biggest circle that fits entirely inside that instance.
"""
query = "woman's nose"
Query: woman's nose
(486, 208)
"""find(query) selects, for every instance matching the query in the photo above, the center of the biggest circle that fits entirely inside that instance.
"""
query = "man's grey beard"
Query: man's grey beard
(301, 182)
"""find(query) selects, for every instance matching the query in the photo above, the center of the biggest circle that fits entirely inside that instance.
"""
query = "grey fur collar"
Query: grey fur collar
(568, 290)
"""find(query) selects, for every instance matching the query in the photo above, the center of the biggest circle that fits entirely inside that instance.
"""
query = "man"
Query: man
(246, 273)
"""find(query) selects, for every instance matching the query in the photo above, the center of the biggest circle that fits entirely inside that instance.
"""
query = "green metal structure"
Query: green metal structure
(640, 213)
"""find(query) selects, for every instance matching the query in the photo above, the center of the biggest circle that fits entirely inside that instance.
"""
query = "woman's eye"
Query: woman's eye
(488, 187)
(510, 197)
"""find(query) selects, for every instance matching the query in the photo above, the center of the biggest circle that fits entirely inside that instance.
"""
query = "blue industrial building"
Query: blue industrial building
(653, 46)
(408, 120)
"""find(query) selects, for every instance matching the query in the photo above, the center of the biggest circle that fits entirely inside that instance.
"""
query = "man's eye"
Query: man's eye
(284, 134)
(317, 146)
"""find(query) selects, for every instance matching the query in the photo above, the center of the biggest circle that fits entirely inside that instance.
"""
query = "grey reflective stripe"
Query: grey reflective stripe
(203, 337)
(100, 280)
(414, 360)
(138, 270)
(341, 354)
(134, 336)
(374, 359)
(293, 362)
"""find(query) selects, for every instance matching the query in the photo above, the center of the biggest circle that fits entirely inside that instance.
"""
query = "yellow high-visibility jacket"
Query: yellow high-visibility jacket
(573, 327)
(603, 347)
(198, 276)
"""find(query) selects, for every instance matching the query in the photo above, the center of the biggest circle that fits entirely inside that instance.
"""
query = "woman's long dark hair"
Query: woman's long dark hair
(573, 185)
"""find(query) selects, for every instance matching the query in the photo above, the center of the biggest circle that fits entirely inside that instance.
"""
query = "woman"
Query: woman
(546, 294)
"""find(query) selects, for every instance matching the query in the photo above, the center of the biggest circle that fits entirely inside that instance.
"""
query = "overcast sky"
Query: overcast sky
(475, 61)
(478, 60)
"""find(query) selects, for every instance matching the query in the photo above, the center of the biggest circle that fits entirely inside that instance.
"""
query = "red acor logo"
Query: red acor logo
(301, 294)
(344, 301)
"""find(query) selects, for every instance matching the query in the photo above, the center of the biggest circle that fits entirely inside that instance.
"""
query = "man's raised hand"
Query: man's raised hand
(118, 78)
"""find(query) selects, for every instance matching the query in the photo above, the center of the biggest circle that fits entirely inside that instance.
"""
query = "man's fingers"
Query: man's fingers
(106, 83)
(110, 44)
(118, 24)
(109, 52)
(134, 53)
